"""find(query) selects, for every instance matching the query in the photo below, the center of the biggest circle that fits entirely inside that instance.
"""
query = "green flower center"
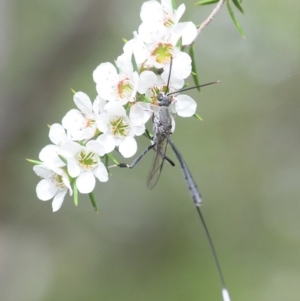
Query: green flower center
(87, 160)
(59, 182)
(168, 22)
(125, 88)
(89, 122)
(163, 53)
(119, 127)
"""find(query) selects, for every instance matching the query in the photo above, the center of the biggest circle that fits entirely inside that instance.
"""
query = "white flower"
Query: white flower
(84, 164)
(185, 30)
(80, 123)
(57, 134)
(113, 86)
(185, 106)
(140, 113)
(137, 48)
(118, 130)
(161, 22)
(181, 67)
(50, 153)
(150, 85)
(154, 12)
(54, 185)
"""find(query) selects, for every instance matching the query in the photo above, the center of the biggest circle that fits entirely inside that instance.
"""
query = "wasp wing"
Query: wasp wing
(158, 161)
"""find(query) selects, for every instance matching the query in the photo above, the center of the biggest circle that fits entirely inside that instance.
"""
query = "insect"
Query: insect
(162, 129)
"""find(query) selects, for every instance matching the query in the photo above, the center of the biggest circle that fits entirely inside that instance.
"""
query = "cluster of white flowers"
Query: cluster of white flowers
(127, 98)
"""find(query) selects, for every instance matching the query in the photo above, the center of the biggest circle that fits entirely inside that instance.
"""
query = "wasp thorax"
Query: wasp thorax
(163, 99)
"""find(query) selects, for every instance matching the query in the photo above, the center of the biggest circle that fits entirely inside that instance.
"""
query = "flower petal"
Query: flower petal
(86, 182)
(73, 120)
(98, 105)
(96, 147)
(101, 172)
(46, 189)
(151, 11)
(115, 109)
(187, 30)
(73, 167)
(138, 130)
(43, 172)
(83, 102)
(140, 113)
(146, 81)
(58, 200)
(57, 134)
(185, 106)
(49, 154)
(128, 147)
(108, 142)
(102, 122)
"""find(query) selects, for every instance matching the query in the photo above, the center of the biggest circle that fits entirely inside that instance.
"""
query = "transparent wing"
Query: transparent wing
(158, 162)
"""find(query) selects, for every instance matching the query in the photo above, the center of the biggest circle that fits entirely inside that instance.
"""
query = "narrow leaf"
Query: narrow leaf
(34, 161)
(106, 160)
(198, 117)
(148, 135)
(75, 194)
(174, 5)
(194, 67)
(63, 159)
(93, 200)
(134, 64)
(205, 2)
(235, 21)
(238, 5)
(111, 157)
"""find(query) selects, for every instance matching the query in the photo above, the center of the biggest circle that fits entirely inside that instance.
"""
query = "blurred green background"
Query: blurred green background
(149, 245)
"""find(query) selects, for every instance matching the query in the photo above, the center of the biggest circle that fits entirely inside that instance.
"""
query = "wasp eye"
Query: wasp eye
(159, 97)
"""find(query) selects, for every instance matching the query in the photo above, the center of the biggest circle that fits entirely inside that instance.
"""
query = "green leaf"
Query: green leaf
(174, 5)
(235, 21)
(106, 160)
(238, 5)
(198, 117)
(112, 158)
(205, 2)
(144, 98)
(194, 67)
(75, 194)
(147, 135)
(134, 64)
(93, 200)
(34, 161)
(179, 44)
(63, 159)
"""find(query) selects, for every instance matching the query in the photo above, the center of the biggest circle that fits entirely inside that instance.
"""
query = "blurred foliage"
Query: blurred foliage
(236, 3)
(149, 245)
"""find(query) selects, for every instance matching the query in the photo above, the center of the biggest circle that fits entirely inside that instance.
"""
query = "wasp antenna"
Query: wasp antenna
(191, 88)
(169, 76)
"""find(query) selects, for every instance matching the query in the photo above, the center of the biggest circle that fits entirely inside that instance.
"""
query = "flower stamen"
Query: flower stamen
(87, 160)
(118, 127)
